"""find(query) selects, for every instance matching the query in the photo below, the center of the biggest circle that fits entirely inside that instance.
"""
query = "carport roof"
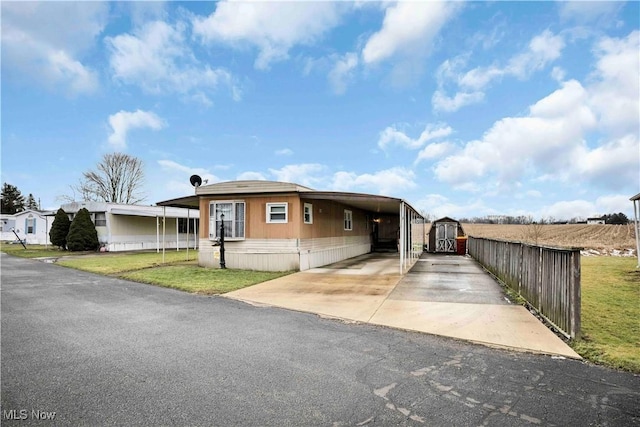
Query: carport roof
(367, 202)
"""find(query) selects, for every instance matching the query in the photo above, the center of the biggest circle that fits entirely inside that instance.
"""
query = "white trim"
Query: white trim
(214, 235)
(348, 220)
(304, 213)
(270, 219)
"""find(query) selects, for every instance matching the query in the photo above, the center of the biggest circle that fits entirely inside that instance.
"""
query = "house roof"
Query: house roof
(367, 202)
(130, 210)
(251, 187)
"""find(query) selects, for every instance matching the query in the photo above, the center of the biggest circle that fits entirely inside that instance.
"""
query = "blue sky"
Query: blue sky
(464, 109)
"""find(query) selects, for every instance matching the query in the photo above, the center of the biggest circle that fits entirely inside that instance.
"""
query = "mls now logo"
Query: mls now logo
(15, 414)
(23, 414)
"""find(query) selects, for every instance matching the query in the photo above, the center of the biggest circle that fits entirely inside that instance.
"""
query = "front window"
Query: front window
(101, 219)
(348, 220)
(233, 219)
(31, 225)
(277, 213)
(308, 213)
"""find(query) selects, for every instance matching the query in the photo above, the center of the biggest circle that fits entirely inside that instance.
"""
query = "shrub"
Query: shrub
(82, 233)
(60, 229)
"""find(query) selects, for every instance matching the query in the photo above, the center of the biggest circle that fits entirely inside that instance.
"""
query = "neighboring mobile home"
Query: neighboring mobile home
(134, 227)
(32, 227)
(279, 226)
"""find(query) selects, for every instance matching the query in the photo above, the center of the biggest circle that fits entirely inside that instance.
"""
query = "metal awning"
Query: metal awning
(182, 202)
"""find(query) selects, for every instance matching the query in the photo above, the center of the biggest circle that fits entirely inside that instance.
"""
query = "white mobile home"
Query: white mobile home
(135, 227)
(31, 227)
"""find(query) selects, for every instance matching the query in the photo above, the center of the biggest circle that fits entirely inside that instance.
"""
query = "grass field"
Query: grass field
(609, 237)
(610, 312)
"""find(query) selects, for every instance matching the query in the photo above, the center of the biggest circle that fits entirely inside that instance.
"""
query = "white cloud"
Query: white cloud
(307, 174)
(392, 136)
(442, 102)
(387, 182)
(342, 72)
(613, 203)
(589, 11)
(124, 121)
(158, 59)
(435, 150)
(577, 134)
(614, 94)
(545, 140)
(408, 29)
(569, 209)
(284, 152)
(438, 206)
(612, 163)
(273, 28)
(408, 34)
(542, 50)
(52, 54)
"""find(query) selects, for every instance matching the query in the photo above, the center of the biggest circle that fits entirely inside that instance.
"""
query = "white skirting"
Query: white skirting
(283, 254)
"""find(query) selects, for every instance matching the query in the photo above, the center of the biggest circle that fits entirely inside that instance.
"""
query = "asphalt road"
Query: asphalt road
(88, 350)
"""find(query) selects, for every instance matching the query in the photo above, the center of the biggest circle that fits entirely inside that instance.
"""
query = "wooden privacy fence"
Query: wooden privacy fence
(548, 278)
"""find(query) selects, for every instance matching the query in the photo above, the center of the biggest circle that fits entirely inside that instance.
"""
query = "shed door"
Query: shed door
(446, 233)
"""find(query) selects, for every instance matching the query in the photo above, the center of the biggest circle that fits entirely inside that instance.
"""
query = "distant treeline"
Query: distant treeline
(614, 218)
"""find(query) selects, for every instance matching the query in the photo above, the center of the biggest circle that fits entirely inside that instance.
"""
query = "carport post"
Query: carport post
(402, 237)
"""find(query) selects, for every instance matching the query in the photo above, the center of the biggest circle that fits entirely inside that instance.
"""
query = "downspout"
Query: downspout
(177, 235)
(157, 234)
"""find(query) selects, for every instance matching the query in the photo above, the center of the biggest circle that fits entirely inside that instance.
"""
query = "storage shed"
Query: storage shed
(444, 234)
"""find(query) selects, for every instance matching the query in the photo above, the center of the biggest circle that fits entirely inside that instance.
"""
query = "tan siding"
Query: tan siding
(256, 226)
(328, 220)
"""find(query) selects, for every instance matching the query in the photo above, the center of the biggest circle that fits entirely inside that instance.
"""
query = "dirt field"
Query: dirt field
(601, 238)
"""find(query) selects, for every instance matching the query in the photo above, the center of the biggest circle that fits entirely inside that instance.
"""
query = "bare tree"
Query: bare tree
(116, 179)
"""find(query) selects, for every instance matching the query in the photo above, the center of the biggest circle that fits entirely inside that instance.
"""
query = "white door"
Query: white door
(446, 233)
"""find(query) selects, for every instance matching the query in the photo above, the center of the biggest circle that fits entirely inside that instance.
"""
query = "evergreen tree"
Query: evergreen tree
(31, 203)
(82, 233)
(60, 229)
(12, 199)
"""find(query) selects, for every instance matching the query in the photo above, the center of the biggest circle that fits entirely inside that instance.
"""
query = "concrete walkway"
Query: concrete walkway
(445, 295)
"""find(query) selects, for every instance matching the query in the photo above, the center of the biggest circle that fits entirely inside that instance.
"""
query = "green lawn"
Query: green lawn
(209, 281)
(32, 251)
(115, 263)
(172, 271)
(610, 312)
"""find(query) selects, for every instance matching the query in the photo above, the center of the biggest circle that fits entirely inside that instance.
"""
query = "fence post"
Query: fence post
(575, 295)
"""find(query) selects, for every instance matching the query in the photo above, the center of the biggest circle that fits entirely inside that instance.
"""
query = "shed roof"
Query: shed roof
(636, 197)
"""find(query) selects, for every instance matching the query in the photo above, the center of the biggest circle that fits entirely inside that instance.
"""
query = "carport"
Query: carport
(405, 225)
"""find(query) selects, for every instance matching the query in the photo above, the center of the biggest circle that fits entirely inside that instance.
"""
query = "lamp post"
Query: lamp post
(222, 262)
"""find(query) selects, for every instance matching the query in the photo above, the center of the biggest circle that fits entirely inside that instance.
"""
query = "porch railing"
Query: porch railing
(547, 278)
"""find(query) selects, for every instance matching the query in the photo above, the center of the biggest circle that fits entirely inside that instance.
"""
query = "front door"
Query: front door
(446, 233)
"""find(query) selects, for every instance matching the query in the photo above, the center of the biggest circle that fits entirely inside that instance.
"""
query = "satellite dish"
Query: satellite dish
(196, 181)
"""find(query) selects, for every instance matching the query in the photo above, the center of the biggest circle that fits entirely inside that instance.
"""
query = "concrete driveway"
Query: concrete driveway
(446, 295)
